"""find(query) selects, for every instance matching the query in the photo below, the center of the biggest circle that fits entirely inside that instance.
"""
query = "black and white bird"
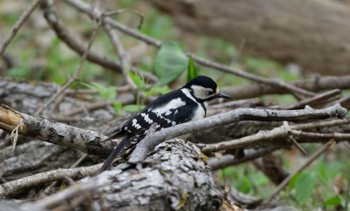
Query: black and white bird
(186, 104)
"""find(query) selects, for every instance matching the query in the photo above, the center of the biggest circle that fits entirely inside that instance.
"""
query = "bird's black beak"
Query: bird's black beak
(223, 95)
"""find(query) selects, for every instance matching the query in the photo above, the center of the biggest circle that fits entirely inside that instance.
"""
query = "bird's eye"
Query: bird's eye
(210, 92)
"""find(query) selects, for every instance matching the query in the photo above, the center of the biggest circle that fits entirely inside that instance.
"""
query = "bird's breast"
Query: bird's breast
(198, 113)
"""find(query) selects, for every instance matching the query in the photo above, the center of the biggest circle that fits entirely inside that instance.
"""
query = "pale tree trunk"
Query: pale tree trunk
(313, 33)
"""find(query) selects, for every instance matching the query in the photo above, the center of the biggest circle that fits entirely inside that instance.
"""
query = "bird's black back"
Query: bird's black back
(176, 115)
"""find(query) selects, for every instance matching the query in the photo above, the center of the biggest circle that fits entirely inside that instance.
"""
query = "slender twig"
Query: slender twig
(76, 74)
(312, 158)
(69, 39)
(111, 13)
(316, 84)
(68, 193)
(230, 160)
(81, 159)
(19, 23)
(292, 139)
(312, 101)
(313, 135)
(297, 145)
(14, 186)
(246, 75)
(123, 55)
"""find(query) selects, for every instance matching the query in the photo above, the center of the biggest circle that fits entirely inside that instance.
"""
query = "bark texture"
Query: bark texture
(313, 34)
(175, 176)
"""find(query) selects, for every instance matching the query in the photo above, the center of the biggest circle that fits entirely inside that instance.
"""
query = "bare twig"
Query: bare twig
(240, 73)
(64, 35)
(15, 28)
(111, 13)
(316, 100)
(230, 160)
(311, 135)
(123, 55)
(316, 84)
(81, 159)
(313, 157)
(72, 191)
(293, 141)
(12, 187)
(77, 72)
(297, 145)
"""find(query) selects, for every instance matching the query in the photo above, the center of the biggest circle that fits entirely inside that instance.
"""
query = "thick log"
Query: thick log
(174, 177)
(313, 34)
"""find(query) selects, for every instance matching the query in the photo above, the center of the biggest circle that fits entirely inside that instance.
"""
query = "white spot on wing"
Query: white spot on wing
(147, 119)
(173, 104)
(135, 124)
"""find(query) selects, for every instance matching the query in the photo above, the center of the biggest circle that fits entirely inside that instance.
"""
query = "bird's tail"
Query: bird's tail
(116, 151)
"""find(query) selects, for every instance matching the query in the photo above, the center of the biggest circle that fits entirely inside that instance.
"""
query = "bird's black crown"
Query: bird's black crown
(203, 81)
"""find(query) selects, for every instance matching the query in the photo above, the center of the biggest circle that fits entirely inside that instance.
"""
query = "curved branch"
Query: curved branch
(149, 142)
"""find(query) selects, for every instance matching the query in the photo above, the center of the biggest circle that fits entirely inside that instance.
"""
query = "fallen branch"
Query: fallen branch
(84, 140)
(9, 188)
(149, 142)
(182, 181)
(283, 131)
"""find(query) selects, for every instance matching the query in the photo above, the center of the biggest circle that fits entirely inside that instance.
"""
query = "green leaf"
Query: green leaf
(107, 93)
(138, 80)
(170, 62)
(304, 185)
(157, 90)
(118, 107)
(333, 201)
(192, 69)
(132, 108)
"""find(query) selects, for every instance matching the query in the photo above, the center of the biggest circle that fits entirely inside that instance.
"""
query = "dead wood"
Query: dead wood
(174, 176)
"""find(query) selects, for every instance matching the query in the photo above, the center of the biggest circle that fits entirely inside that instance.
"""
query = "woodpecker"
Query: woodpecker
(186, 104)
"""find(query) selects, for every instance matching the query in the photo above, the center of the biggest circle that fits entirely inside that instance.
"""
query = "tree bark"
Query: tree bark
(175, 176)
(313, 34)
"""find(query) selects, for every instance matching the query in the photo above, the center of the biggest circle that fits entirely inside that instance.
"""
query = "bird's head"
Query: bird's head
(204, 88)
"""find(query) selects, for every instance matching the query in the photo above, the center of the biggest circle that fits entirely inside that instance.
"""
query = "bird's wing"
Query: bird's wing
(166, 111)
(140, 124)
